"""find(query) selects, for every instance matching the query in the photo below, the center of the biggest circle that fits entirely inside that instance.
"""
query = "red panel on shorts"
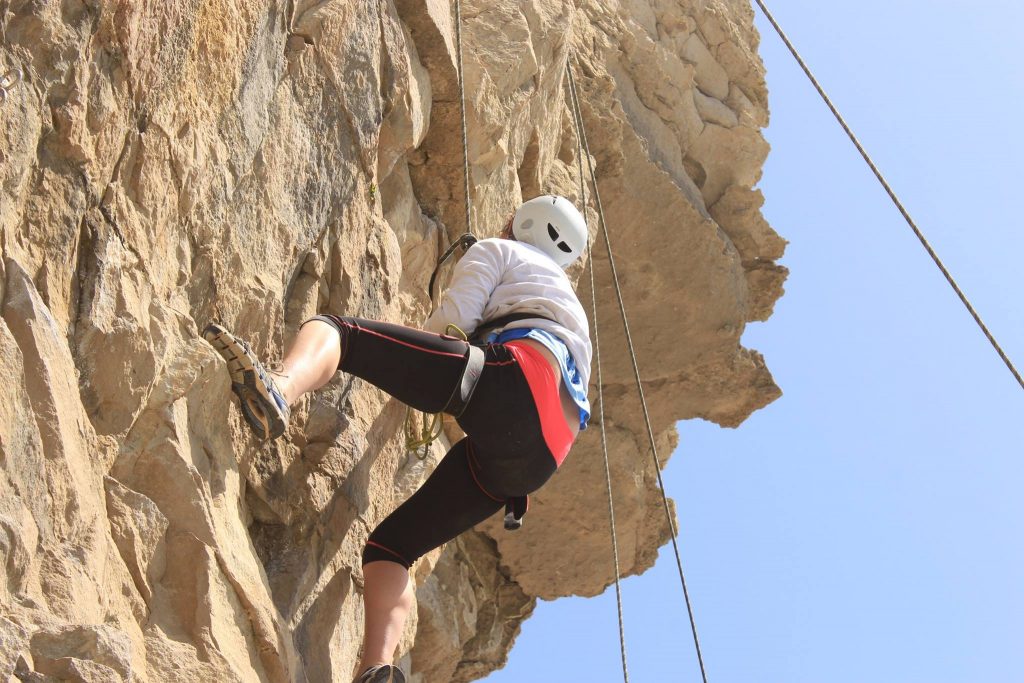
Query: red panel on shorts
(540, 376)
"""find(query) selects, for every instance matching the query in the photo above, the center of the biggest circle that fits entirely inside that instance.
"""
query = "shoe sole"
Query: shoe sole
(388, 674)
(254, 399)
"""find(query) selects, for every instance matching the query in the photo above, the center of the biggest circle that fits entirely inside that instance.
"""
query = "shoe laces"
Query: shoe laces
(262, 371)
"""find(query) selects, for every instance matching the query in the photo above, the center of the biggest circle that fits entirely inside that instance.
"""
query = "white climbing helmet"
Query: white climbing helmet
(553, 225)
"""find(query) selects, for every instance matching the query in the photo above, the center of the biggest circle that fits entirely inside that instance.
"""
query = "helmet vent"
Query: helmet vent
(553, 234)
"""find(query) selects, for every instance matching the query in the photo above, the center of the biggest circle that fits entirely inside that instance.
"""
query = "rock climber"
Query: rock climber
(529, 402)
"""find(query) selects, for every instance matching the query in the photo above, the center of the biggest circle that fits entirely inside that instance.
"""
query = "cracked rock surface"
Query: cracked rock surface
(165, 164)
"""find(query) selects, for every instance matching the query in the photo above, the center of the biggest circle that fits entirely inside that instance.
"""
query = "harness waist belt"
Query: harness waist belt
(485, 328)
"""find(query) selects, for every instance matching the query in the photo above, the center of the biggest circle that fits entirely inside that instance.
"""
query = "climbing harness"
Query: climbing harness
(483, 331)
(474, 367)
(466, 385)
(892, 195)
(8, 82)
(419, 444)
(431, 427)
(515, 508)
(636, 371)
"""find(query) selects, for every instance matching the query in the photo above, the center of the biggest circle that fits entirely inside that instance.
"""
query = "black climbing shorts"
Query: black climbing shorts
(503, 456)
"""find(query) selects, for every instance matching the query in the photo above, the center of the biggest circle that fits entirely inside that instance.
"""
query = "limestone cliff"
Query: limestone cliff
(165, 163)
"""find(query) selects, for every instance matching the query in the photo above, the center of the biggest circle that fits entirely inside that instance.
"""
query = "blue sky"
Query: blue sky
(869, 525)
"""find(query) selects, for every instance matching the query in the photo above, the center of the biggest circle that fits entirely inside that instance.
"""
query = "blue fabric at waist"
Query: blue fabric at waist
(567, 364)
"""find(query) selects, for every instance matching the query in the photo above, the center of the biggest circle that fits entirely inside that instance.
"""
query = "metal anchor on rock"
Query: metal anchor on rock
(8, 82)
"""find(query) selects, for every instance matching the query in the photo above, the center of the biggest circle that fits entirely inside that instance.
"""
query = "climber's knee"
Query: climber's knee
(342, 325)
(337, 322)
(375, 551)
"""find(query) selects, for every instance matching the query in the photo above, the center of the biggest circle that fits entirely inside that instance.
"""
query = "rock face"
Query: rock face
(164, 164)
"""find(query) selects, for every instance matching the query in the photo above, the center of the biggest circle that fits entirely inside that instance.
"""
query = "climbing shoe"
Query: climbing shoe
(263, 405)
(382, 673)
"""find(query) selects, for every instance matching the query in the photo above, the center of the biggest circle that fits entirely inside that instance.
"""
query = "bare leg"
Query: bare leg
(387, 599)
(311, 361)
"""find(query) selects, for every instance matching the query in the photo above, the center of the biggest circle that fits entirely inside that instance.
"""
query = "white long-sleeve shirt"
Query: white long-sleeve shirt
(496, 277)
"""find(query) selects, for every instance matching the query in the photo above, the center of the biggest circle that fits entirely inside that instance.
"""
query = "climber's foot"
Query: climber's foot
(263, 405)
(382, 673)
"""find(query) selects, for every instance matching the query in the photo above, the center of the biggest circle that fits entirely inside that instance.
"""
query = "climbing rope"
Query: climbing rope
(467, 239)
(432, 425)
(636, 372)
(892, 194)
(418, 444)
(600, 386)
(462, 109)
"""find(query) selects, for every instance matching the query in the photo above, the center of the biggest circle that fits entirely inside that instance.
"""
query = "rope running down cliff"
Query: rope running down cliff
(636, 372)
(462, 109)
(430, 431)
(467, 239)
(578, 124)
(892, 194)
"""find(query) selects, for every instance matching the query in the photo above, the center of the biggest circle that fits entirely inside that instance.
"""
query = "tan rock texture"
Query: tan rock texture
(168, 163)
